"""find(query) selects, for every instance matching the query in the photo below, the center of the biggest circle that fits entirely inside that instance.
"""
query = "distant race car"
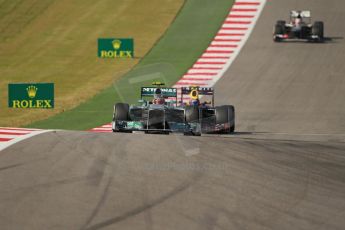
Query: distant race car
(299, 27)
(163, 114)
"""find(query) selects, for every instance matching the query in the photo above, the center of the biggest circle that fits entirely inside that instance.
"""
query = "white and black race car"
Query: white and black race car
(299, 27)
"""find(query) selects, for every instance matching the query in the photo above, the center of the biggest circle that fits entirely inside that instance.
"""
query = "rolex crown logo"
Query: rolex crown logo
(32, 90)
(116, 44)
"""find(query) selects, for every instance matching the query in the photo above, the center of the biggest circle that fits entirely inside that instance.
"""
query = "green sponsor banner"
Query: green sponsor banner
(150, 91)
(115, 48)
(31, 95)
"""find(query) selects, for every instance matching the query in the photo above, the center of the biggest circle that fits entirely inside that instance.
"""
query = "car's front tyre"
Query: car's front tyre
(121, 113)
(318, 30)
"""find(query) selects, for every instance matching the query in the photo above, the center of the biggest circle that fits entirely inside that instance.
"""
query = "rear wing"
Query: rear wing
(196, 91)
(303, 13)
(201, 90)
(150, 91)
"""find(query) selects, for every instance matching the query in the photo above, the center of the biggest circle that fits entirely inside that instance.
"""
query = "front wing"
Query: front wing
(171, 127)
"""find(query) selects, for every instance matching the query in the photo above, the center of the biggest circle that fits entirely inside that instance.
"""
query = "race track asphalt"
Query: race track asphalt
(283, 169)
(292, 87)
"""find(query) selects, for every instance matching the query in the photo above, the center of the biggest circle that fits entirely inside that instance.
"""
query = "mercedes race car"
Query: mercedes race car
(299, 27)
(164, 114)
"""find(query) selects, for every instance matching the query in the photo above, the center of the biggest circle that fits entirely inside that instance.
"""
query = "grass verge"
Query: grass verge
(182, 44)
(56, 41)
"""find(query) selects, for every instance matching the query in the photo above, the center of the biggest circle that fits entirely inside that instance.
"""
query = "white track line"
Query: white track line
(10, 136)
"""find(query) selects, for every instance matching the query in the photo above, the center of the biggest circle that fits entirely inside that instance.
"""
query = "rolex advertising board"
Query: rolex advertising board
(31, 95)
(115, 48)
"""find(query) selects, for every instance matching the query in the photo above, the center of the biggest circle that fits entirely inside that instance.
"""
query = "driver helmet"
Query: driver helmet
(158, 94)
(298, 19)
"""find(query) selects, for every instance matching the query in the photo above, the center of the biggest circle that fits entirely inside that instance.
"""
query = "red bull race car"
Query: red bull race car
(163, 113)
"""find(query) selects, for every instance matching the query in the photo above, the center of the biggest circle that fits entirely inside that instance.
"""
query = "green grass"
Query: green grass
(56, 41)
(182, 44)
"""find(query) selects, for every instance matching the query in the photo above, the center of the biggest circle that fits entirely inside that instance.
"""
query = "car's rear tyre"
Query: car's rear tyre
(192, 114)
(226, 115)
(121, 113)
(318, 30)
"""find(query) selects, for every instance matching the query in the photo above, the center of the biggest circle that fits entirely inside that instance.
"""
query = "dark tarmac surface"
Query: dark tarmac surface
(284, 169)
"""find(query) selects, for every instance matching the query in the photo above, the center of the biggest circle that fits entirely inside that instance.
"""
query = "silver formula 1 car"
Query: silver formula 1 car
(299, 27)
(164, 114)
